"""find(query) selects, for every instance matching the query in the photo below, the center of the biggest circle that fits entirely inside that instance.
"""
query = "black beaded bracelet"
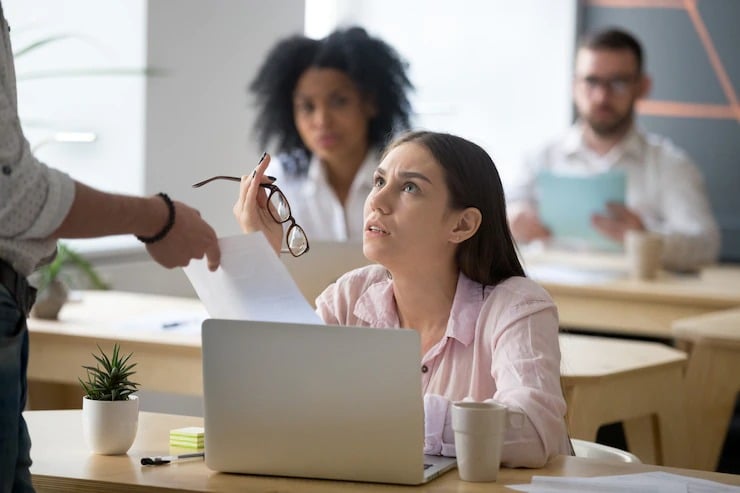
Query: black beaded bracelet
(167, 227)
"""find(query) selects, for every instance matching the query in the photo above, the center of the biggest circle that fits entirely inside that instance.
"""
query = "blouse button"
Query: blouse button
(424, 369)
(7, 169)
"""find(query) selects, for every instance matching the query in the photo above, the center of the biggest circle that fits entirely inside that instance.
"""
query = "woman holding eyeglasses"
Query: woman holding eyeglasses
(435, 223)
(329, 106)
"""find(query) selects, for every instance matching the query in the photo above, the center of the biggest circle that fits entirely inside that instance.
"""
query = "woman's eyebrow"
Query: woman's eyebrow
(405, 174)
(414, 174)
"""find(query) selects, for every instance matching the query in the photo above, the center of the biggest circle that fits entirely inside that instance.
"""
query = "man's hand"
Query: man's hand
(190, 237)
(617, 222)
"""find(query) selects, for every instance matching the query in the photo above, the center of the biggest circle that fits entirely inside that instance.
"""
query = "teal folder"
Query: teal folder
(567, 202)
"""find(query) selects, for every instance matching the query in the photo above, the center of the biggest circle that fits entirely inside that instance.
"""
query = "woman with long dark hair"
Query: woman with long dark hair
(446, 266)
(329, 106)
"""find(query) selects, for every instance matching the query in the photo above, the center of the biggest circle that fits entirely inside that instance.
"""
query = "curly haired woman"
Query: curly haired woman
(330, 106)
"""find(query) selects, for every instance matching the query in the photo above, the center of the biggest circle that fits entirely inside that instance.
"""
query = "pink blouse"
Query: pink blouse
(501, 342)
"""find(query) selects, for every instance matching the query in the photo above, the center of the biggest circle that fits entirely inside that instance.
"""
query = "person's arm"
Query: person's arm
(95, 213)
(526, 369)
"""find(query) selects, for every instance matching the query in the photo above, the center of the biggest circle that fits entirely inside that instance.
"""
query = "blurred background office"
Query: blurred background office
(190, 116)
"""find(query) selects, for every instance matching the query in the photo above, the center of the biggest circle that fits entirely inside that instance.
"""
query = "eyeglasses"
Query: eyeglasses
(279, 208)
(616, 85)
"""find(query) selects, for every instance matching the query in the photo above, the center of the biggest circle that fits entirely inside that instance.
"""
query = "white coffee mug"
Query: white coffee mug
(479, 435)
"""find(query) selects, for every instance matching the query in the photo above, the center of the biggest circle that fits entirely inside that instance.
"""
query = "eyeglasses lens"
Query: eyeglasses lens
(297, 242)
(279, 208)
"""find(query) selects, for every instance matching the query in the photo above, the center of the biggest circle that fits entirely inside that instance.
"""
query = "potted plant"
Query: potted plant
(110, 411)
(52, 282)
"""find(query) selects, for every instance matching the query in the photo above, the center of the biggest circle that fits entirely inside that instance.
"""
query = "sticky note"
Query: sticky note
(188, 437)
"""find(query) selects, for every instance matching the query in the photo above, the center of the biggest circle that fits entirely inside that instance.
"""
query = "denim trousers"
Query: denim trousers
(15, 443)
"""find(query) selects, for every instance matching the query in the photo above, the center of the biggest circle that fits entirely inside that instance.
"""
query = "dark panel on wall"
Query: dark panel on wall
(686, 83)
(722, 18)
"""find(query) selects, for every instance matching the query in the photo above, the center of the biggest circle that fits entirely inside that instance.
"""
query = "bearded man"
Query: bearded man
(665, 191)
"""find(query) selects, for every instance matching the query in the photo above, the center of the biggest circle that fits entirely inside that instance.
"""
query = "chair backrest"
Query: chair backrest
(593, 450)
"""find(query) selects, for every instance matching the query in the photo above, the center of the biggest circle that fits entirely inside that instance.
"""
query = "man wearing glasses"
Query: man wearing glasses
(665, 191)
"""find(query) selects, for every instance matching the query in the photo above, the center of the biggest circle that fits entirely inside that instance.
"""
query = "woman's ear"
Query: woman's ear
(467, 225)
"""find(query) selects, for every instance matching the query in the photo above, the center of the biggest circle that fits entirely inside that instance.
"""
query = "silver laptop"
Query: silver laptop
(315, 401)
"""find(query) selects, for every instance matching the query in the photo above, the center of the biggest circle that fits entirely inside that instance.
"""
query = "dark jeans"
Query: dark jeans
(15, 443)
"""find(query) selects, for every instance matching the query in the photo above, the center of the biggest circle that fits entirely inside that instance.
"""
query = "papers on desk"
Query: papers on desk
(654, 482)
(567, 202)
(566, 274)
(251, 284)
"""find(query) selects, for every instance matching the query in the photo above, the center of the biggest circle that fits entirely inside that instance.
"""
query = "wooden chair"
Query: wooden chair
(639, 383)
(712, 379)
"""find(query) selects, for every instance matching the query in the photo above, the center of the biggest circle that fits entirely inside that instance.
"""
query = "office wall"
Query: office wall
(81, 89)
(692, 56)
(494, 71)
(199, 116)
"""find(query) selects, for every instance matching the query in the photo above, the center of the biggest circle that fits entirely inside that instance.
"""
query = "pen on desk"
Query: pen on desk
(173, 325)
(166, 459)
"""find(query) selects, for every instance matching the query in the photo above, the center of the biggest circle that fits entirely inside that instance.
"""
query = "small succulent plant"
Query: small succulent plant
(109, 379)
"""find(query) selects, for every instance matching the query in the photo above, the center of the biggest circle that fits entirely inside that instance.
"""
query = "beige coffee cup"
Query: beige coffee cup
(479, 435)
(644, 250)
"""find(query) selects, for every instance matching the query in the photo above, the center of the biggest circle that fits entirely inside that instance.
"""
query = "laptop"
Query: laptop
(315, 401)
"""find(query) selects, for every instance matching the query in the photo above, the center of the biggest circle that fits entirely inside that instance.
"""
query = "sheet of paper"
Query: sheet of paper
(657, 481)
(251, 284)
(567, 202)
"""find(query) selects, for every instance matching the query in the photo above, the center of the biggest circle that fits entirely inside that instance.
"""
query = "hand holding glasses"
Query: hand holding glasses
(279, 209)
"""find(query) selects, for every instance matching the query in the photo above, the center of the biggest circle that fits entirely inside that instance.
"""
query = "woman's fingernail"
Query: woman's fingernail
(254, 173)
(271, 178)
(263, 157)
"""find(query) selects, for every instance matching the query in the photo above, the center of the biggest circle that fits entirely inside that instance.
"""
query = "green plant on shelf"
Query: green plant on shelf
(65, 258)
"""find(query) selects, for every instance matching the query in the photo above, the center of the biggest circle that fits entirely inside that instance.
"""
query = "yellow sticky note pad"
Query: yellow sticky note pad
(188, 437)
(188, 432)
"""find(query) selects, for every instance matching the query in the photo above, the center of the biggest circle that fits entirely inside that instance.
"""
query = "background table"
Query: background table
(594, 293)
(168, 359)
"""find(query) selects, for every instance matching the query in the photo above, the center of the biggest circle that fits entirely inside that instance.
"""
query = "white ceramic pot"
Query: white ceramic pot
(110, 427)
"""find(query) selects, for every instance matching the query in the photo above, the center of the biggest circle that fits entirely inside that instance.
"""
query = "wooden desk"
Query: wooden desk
(606, 380)
(618, 304)
(712, 379)
(61, 462)
(168, 360)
